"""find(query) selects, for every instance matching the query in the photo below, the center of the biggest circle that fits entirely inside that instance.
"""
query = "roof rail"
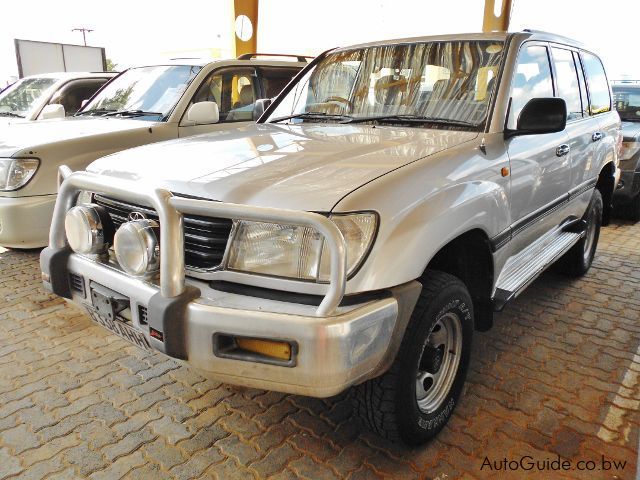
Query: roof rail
(627, 81)
(299, 58)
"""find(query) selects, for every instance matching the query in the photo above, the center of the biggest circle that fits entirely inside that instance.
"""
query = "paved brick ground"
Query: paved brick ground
(558, 375)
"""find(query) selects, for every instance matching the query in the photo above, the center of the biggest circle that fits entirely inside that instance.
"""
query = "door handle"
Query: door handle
(562, 150)
(596, 136)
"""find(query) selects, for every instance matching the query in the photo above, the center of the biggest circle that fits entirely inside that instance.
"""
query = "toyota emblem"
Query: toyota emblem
(133, 216)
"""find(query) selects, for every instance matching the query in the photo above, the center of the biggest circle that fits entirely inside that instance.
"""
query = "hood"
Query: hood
(15, 137)
(631, 131)
(308, 167)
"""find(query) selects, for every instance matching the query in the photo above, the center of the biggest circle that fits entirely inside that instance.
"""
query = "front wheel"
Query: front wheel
(415, 398)
(577, 261)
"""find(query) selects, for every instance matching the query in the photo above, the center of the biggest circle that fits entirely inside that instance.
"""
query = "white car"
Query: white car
(386, 204)
(142, 105)
(49, 95)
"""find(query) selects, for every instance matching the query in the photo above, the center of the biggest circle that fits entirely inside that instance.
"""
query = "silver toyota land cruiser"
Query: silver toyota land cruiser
(387, 202)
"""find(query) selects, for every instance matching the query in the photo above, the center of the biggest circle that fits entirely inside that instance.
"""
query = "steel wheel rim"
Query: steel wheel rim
(439, 363)
(591, 235)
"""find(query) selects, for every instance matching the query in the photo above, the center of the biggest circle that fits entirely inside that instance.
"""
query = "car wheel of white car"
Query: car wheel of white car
(414, 399)
(577, 261)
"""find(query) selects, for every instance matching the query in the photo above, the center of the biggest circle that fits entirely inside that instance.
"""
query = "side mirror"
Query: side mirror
(203, 113)
(53, 110)
(541, 115)
(260, 106)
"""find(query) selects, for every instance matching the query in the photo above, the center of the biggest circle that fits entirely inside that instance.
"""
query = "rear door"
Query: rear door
(582, 128)
(540, 164)
(607, 121)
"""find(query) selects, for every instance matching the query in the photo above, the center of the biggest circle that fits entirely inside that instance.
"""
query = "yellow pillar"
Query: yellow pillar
(245, 26)
(496, 22)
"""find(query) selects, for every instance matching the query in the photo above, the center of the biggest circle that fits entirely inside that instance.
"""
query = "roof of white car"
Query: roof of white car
(72, 75)
(488, 36)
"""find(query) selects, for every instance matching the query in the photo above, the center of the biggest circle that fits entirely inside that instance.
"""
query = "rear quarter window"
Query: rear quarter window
(599, 94)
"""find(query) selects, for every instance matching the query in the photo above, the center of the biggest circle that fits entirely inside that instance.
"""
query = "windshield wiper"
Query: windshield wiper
(312, 116)
(10, 114)
(132, 113)
(95, 111)
(411, 119)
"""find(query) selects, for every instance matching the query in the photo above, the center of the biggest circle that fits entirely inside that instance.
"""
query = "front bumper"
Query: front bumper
(25, 221)
(333, 352)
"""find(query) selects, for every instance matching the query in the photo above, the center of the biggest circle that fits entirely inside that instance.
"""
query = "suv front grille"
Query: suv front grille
(205, 238)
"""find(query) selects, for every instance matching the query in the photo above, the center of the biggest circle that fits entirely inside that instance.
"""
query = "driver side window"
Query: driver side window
(532, 79)
(233, 90)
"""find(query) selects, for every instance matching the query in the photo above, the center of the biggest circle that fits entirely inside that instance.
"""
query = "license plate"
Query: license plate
(121, 329)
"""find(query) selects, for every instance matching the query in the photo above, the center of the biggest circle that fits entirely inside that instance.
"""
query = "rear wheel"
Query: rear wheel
(577, 261)
(414, 399)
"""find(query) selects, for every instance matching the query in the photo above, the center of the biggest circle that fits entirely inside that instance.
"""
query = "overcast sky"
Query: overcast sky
(139, 32)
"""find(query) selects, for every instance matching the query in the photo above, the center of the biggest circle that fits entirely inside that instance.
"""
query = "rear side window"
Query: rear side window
(532, 79)
(599, 96)
(567, 82)
(275, 79)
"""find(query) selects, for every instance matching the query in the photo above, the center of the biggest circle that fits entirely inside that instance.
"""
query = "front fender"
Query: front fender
(418, 216)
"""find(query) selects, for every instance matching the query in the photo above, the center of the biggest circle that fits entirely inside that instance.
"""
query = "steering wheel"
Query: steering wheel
(340, 100)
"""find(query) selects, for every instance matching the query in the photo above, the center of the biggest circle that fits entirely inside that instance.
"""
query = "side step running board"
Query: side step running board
(523, 268)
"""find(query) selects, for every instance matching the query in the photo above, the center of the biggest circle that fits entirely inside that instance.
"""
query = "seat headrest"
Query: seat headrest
(246, 95)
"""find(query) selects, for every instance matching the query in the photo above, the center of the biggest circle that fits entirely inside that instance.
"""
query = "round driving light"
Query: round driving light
(89, 229)
(137, 247)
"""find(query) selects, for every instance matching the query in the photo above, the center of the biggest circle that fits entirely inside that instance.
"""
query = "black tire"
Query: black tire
(388, 404)
(577, 261)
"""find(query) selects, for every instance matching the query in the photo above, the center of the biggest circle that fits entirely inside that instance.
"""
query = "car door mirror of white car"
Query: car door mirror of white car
(203, 113)
(260, 106)
(53, 110)
(541, 115)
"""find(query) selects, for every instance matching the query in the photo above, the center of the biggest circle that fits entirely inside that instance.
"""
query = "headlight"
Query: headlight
(15, 173)
(298, 252)
(137, 247)
(89, 229)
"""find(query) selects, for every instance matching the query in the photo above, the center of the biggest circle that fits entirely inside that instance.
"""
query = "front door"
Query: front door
(235, 90)
(540, 164)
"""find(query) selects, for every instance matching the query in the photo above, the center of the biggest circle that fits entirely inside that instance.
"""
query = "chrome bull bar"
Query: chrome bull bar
(170, 210)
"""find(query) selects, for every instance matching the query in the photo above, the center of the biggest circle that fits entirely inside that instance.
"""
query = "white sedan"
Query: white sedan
(49, 95)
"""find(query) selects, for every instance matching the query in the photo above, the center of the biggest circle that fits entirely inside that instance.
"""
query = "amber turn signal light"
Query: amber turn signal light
(268, 348)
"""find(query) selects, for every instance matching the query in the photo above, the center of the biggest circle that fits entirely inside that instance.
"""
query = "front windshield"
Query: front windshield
(145, 92)
(627, 101)
(22, 96)
(448, 83)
